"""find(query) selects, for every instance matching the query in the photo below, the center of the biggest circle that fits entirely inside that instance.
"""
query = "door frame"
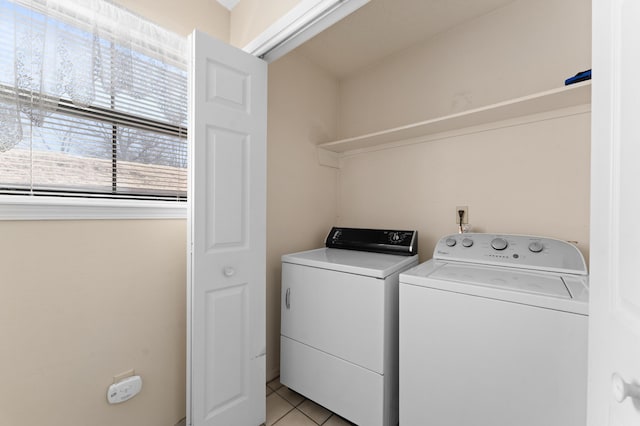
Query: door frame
(301, 23)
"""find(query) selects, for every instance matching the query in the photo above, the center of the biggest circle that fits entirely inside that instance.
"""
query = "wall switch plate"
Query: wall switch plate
(465, 215)
(124, 390)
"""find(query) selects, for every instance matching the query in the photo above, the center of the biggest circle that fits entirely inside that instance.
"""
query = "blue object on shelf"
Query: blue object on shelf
(581, 76)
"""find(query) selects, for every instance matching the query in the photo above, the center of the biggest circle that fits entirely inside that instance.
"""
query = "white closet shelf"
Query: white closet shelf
(564, 97)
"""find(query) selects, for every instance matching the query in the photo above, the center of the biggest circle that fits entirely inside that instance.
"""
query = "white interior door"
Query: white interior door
(227, 232)
(614, 336)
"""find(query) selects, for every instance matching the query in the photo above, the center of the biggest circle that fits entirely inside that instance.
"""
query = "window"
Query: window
(93, 103)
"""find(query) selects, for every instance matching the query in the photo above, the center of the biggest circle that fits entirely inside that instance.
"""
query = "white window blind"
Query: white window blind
(93, 102)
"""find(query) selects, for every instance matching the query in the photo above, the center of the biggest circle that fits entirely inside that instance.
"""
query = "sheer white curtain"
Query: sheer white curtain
(86, 52)
(93, 102)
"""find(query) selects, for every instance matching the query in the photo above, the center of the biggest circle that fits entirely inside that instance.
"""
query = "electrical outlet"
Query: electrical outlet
(465, 215)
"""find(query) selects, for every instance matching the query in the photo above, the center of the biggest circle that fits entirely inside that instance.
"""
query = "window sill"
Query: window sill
(54, 208)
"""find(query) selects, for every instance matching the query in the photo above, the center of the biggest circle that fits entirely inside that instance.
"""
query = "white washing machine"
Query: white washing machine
(339, 329)
(493, 332)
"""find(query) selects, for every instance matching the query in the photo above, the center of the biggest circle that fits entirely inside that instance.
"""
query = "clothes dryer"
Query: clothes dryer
(339, 328)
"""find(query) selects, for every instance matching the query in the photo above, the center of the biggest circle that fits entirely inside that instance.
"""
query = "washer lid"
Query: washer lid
(377, 265)
(562, 292)
(502, 278)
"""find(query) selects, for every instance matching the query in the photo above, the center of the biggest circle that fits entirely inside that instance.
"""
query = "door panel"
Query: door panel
(628, 291)
(227, 185)
(226, 380)
(227, 86)
(350, 391)
(338, 313)
(614, 322)
(625, 319)
(227, 231)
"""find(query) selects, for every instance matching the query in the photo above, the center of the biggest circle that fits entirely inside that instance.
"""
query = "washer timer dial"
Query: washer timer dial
(499, 243)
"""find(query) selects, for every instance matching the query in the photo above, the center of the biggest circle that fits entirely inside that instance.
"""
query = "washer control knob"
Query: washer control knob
(535, 247)
(451, 242)
(467, 242)
(499, 243)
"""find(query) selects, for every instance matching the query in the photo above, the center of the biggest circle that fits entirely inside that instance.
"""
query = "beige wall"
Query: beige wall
(250, 18)
(526, 47)
(205, 15)
(527, 178)
(81, 301)
(530, 178)
(301, 195)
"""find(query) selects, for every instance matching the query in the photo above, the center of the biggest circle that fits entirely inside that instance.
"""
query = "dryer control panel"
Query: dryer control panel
(375, 240)
(518, 251)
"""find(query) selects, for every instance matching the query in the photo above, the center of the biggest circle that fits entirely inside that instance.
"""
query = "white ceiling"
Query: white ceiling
(383, 27)
(229, 4)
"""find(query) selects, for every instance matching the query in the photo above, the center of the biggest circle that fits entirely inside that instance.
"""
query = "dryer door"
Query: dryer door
(338, 313)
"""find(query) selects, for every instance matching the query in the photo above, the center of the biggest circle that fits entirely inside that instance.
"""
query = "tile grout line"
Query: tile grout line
(309, 417)
(295, 406)
(284, 415)
(304, 414)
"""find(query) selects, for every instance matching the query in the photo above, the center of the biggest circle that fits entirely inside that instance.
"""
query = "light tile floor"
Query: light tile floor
(288, 408)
